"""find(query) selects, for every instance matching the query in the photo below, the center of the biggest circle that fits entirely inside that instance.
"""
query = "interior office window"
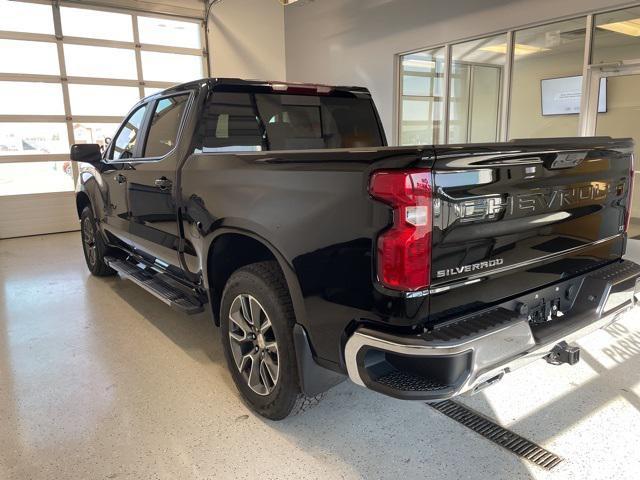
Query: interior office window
(422, 94)
(617, 36)
(475, 91)
(165, 123)
(539, 108)
(125, 141)
(229, 124)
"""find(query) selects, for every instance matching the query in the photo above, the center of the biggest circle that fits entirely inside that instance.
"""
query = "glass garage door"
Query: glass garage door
(68, 74)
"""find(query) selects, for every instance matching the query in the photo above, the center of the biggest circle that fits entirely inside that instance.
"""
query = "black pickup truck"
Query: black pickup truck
(420, 272)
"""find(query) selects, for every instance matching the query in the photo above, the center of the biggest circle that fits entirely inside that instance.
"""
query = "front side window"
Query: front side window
(165, 123)
(125, 143)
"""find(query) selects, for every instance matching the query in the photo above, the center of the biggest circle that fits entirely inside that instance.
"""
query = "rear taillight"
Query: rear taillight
(627, 218)
(404, 249)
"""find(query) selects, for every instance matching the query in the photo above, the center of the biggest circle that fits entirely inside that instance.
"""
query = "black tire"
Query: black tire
(93, 245)
(263, 283)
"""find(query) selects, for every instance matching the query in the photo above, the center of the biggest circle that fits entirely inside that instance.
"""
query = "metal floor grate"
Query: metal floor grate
(497, 434)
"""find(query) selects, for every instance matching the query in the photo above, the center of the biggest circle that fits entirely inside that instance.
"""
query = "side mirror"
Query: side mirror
(86, 152)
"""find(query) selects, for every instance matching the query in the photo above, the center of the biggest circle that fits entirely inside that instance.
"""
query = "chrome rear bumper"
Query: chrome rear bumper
(470, 353)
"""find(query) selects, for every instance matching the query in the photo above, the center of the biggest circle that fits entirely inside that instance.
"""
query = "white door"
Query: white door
(613, 109)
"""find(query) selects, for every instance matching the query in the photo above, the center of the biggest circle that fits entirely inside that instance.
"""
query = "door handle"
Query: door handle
(163, 183)
(119, 178)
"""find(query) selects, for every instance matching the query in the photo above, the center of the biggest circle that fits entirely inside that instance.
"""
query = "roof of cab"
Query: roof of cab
(215, 83)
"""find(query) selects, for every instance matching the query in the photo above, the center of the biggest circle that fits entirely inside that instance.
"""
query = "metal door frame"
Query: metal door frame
(589, 116)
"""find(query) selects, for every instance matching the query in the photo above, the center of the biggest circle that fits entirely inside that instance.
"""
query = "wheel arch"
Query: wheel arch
(230, 249)
(82, 201)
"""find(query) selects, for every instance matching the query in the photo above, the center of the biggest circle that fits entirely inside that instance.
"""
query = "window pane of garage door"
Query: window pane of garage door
(17, 56)
(33, 138)
(150, 91)
(29, 98)
(85, 61)
(100, 133)
(102, 100)
(171, 67)
(80, 22)
(160, 31)
(35, 177)
(26, 17)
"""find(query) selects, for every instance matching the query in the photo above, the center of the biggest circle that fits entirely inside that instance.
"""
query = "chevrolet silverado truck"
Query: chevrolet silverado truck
(419, 272)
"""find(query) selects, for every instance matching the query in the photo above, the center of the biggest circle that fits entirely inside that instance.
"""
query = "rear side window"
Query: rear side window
(163, 132)
(298, 122)
(229, 124)
(125, 142)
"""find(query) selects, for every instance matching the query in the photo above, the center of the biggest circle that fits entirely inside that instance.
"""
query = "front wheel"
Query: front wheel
(257, 319)
(93, 245)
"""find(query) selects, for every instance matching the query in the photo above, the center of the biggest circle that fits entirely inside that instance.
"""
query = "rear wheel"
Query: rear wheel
(257, 337)
(93, 245)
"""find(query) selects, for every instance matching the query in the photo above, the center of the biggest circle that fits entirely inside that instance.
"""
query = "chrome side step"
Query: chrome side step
(161, 288)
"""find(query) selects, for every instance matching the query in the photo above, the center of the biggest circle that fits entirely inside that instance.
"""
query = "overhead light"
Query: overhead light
(287, 2)
(518, 49)
(417, 63)
(628, 27)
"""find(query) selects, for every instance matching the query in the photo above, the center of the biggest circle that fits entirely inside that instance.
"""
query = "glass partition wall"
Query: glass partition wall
(423, 97)
(475, 83)
(523, 83)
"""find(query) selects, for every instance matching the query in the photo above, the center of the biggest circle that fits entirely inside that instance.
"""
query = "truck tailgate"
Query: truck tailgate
(513, 217)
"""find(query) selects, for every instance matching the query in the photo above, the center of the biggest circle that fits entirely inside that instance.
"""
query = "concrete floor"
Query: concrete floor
(98, 379)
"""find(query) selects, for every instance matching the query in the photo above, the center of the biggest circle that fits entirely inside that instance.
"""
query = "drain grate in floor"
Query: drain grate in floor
(497, 434)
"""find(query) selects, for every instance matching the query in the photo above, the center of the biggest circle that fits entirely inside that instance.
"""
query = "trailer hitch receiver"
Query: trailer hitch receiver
(564, 353)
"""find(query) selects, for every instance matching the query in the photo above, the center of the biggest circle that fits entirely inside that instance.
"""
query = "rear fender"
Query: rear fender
(290, 275)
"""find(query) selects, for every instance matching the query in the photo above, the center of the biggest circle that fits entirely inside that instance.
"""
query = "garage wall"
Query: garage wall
(354, 41)
(246, 39)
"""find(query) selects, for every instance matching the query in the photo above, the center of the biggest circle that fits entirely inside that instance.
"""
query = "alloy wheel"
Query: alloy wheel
(253, 344)
(89, 240)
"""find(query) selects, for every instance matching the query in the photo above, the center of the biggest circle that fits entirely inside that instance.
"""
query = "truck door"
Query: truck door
(153, 223)
(122, 152)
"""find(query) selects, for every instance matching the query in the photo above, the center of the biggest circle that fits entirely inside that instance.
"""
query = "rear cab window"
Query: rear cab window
(253, 122)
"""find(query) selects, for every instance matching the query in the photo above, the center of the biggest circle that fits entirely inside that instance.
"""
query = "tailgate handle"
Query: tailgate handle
(163, 183)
